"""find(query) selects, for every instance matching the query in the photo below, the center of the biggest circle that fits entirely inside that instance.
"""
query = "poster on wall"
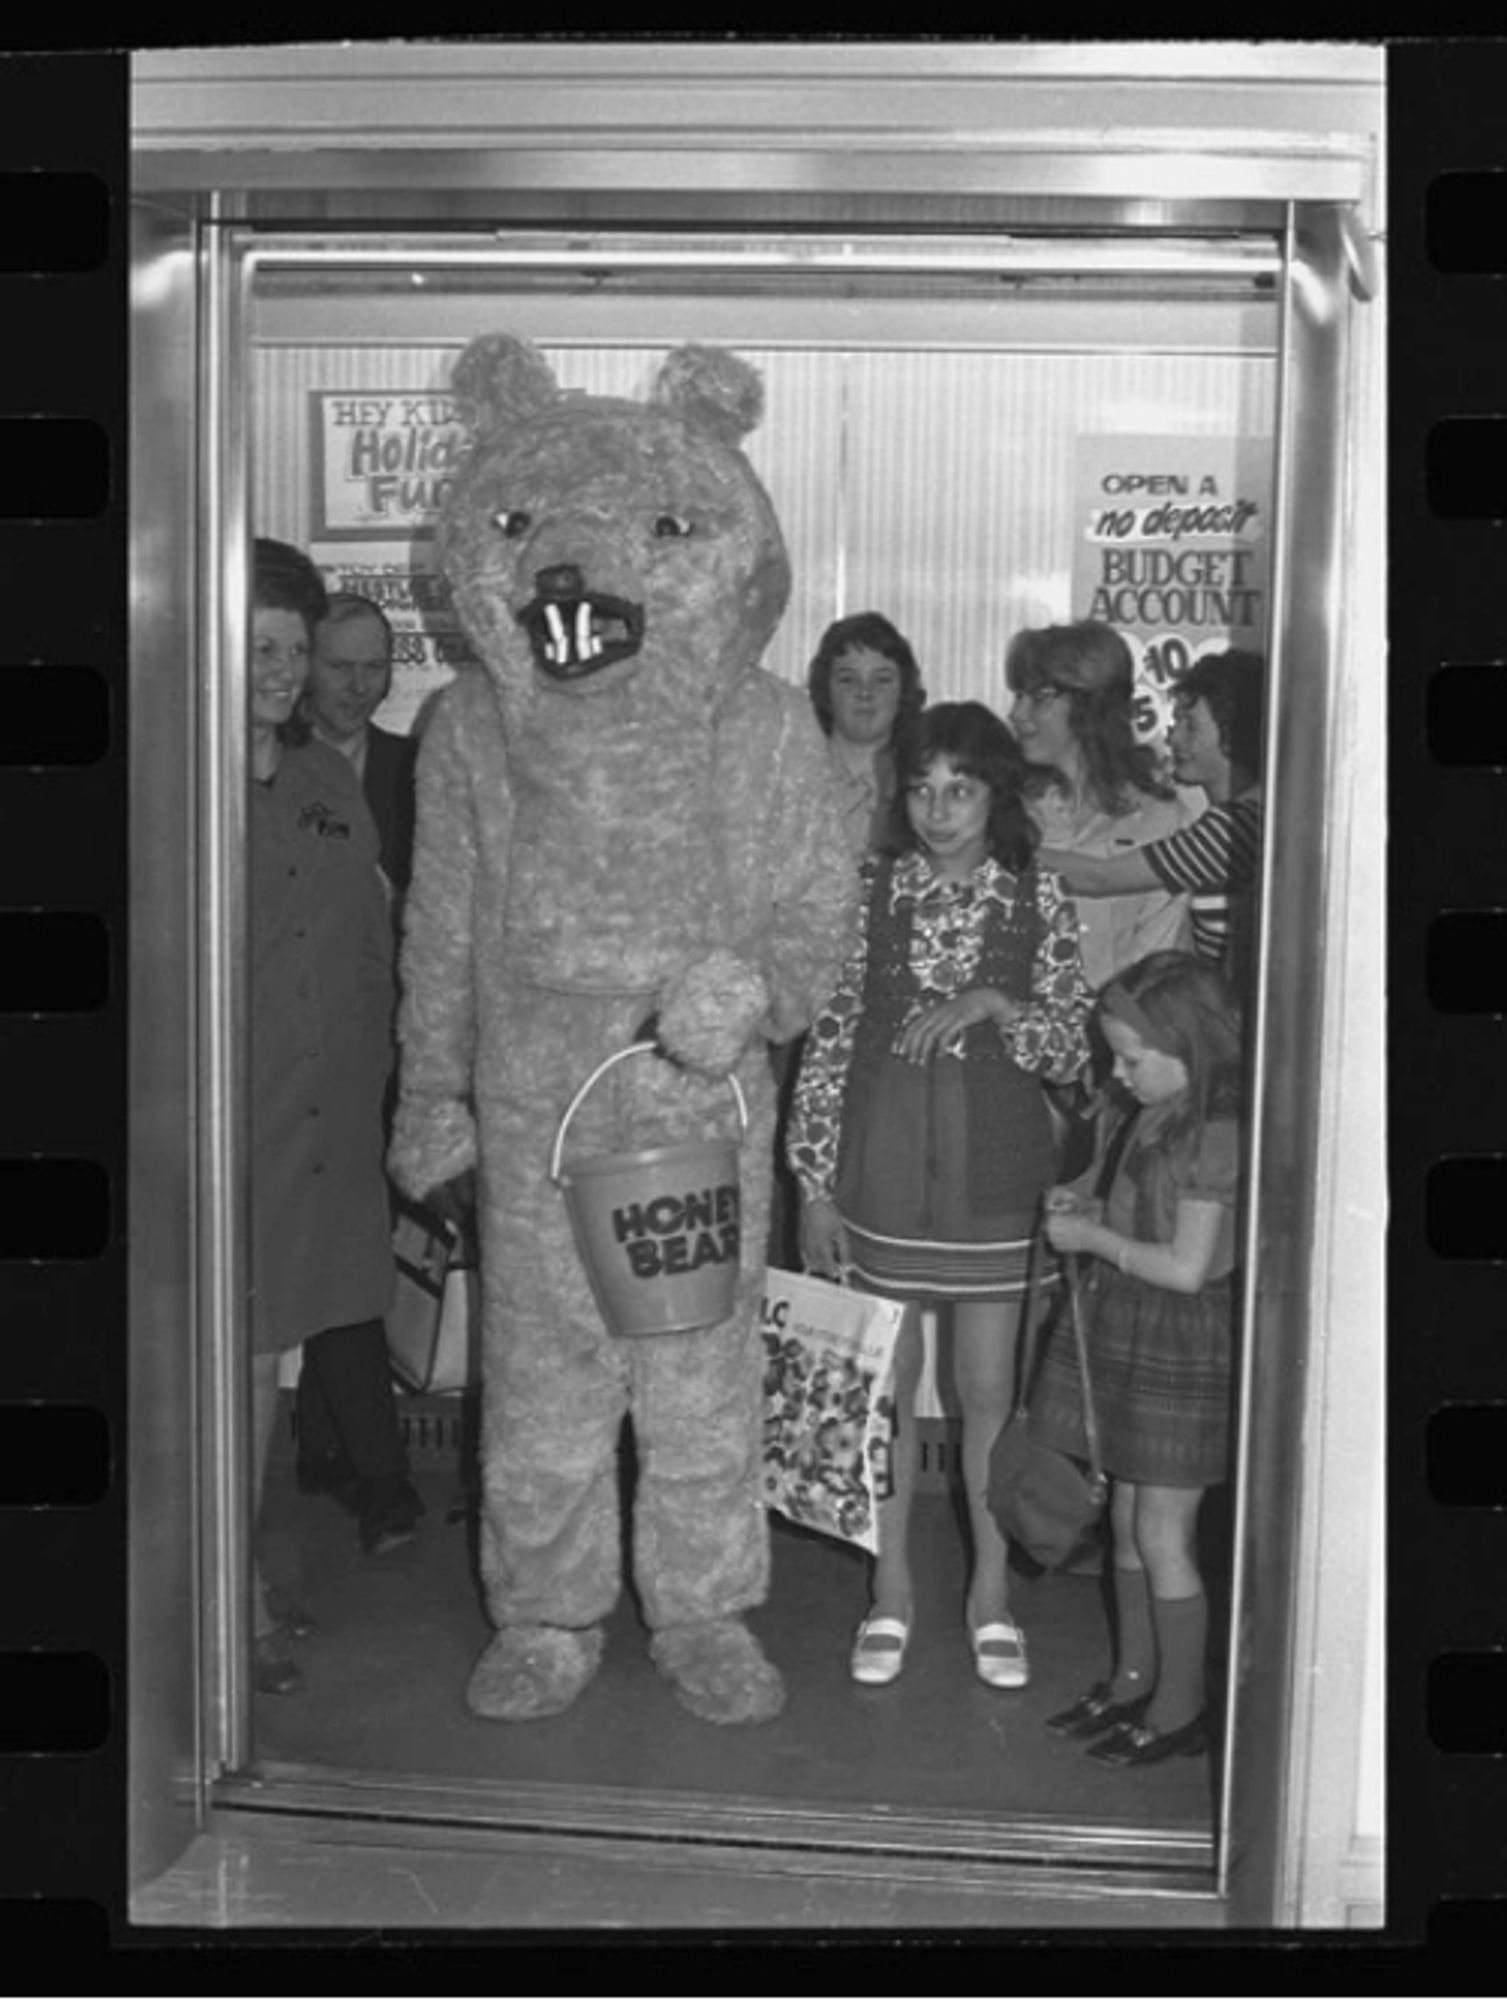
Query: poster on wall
(1173, 549)
(383, 461)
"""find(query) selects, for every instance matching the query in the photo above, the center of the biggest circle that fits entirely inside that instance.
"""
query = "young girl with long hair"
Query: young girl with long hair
(919, 1133)
(1160, 1304)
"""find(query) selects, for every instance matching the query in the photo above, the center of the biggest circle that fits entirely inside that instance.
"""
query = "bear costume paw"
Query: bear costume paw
(530, 1671)
(708, 1012)
(718, 1671)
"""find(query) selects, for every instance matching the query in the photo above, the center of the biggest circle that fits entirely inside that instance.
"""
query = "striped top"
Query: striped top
(1214, 861)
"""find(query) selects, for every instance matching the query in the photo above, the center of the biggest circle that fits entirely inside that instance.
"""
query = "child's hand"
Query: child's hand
(709, 1010)
(1070, 1232)
(1068, 1201)
(824, 1247)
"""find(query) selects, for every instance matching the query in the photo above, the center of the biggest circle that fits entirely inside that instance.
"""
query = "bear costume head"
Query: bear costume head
(591, 541)
(619, 569)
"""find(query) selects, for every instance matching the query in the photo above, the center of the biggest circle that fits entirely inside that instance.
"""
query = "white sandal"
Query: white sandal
(999, 1655)
(879, 1650)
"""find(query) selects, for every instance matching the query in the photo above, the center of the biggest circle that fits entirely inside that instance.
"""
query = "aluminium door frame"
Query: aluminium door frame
(231, 257)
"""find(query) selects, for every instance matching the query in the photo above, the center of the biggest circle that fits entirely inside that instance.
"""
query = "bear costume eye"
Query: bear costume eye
(671, 527)
(513, 523)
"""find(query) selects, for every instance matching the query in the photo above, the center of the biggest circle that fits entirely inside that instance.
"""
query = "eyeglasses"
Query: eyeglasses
(1038, 697)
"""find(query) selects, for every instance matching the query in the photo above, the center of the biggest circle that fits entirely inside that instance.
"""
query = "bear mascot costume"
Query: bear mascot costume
(625, 825)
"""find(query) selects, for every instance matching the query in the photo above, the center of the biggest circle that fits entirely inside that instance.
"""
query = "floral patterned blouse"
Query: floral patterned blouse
(1047, 1036)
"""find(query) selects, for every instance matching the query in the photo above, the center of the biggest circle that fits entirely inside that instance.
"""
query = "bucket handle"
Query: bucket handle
(635, 1049)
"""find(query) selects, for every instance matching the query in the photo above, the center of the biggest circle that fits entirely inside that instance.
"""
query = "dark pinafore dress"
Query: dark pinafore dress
(941, 1165)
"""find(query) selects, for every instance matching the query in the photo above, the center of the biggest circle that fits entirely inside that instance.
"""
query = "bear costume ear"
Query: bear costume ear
(713, 388)
(500, 379)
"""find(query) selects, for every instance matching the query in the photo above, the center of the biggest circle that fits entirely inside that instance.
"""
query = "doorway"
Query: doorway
(1190, 325)
(939, 416)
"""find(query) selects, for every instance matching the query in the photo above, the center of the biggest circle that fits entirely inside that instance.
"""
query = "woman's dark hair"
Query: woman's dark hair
(871, 630)
(976, 742)
(285, 579)
(1091, 664)
(1193, 1009)
(1233, 684)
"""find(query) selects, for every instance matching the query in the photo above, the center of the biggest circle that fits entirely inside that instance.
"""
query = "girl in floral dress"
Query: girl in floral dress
(920, 1134)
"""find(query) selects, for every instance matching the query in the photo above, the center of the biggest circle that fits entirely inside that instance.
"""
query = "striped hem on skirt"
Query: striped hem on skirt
(915, 1268)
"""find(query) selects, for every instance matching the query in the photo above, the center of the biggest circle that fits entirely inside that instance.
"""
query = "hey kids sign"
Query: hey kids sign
(384, 460)
(1172, 549)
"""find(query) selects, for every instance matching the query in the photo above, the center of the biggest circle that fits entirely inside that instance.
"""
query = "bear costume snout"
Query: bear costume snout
(575, 632)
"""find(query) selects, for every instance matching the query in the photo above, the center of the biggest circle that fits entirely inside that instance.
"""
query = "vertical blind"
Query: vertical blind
(935, 485)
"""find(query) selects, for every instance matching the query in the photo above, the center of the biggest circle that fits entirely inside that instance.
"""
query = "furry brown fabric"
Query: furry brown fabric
(630, 816)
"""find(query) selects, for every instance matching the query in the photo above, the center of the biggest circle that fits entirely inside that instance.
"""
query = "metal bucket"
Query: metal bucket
(659, 1231)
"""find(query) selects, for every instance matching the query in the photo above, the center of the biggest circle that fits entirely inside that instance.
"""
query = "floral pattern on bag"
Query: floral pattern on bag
(828, 1432)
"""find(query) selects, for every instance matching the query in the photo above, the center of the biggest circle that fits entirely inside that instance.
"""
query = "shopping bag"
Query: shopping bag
(829, 1404)
(432, 1332)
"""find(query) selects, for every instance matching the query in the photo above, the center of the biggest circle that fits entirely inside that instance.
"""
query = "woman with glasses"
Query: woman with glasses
(1095, 789)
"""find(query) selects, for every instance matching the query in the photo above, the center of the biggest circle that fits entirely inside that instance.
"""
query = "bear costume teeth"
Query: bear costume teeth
(577, 635)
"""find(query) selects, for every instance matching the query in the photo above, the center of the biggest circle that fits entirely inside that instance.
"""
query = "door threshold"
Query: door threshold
(1130, 1860)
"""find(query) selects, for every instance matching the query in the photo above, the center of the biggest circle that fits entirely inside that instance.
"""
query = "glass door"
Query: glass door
(971, 434)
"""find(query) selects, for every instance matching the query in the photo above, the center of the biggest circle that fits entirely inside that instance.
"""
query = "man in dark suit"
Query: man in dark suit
(349, 679)
(349, 1442)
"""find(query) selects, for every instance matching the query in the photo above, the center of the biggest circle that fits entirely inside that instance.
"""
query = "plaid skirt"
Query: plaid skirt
(1161, 1365)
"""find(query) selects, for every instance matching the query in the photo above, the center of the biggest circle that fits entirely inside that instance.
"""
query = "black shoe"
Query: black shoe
(326, 1472)
(1095, 1712)
(1137, 1743)
(272, 1672)
(288, 1615)
(388, 1512)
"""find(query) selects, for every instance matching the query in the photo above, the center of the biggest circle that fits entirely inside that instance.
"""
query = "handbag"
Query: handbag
(432, 1333)
(1042, 1498)
(829, 1403)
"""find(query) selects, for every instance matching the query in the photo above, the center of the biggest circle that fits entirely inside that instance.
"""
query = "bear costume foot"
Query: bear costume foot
(718, 1671)
(530, 1671)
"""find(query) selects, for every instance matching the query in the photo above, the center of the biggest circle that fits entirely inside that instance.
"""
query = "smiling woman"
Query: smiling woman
(321, 999)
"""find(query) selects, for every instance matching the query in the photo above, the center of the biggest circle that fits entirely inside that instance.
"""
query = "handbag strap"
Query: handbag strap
(1090, 1414)
(1080, 1347)
(1113, 1153)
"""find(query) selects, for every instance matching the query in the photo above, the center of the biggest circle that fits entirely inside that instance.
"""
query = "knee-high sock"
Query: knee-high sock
(1182, 1629)
(1135, 1635)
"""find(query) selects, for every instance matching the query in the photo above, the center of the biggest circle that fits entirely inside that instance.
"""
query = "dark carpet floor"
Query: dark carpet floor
(397, 1635)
